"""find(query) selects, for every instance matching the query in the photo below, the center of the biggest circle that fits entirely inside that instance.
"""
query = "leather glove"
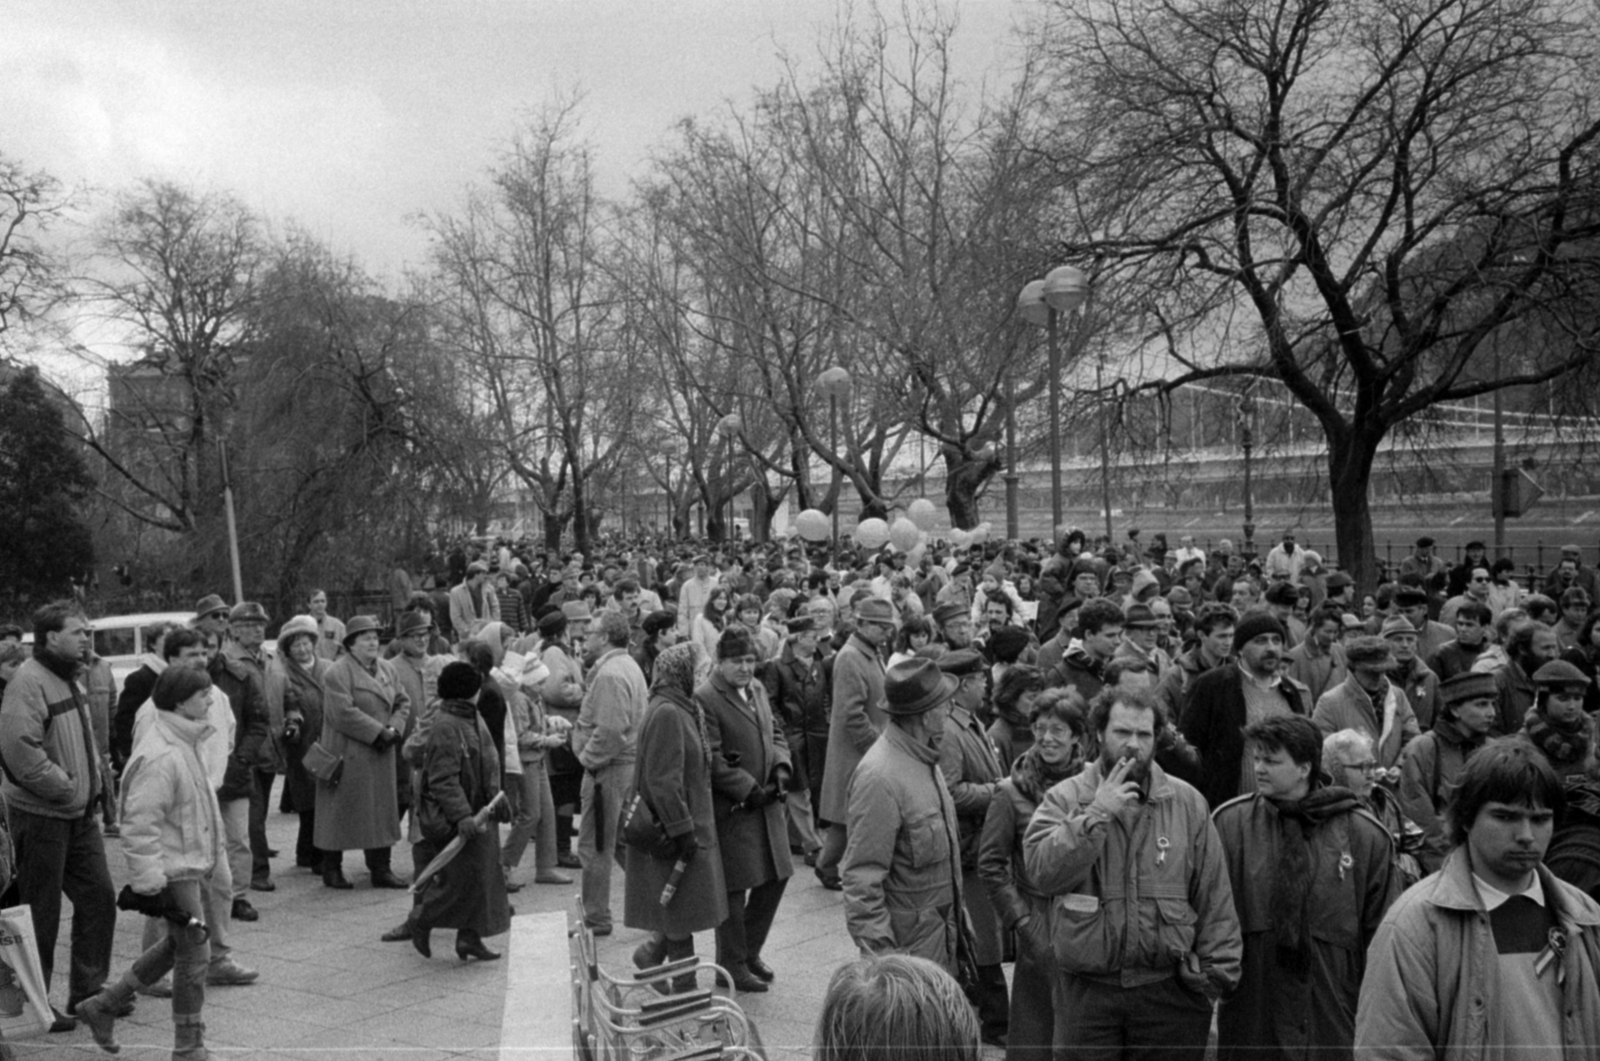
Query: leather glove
(684, 847)
(759, 797)
(467, 827)
(150, 905)
(781, 777)
(502, 812)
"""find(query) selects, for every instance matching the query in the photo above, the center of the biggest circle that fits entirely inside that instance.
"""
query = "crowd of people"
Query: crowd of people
(1165, 784)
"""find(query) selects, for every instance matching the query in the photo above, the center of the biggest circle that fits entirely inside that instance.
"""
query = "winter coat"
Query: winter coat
(215, 748)
(858, 718)
(608, 723)
(52, 766)
(1129, 910)
(1421, 687)
(747, 747)
(1430, 987)
(1077, 670)
(901, 871)
(1000, 859)
(135, 691)
(1317, 671)
(1516, 693)
(799, 692)
(248, 697)
(303, 700)
(1213, 720)
(1275, 1009)
(674, 779)
(1391, 725)
(171, 824)
(1010, 738)
(1428, 772)
(362, 810)
(1174, 684)
(100, 695)
(466, 619)
(270, 675)
(971, 771)
(460, 776)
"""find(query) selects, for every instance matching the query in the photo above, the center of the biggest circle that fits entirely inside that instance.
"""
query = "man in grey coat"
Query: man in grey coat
(605, 741)
(858, 718)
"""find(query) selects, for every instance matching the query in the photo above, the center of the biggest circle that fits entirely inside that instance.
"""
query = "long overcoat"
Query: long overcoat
(746, 746)
(362, 811)
(859, 716)
(460, 776)
(674, 776)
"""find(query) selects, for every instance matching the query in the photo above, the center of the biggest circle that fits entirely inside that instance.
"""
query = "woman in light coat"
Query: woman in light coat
(364, 713)
(172, 837)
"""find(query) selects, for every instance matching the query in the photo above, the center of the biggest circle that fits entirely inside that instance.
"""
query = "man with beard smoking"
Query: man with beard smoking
(1220, 703)
(1143, 923)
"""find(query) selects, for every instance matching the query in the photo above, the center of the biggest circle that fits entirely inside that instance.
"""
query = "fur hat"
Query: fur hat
(1369, 651)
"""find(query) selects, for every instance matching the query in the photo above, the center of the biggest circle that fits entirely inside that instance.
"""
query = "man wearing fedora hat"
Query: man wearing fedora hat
(902, 878)
(247, 696)
(1368, 701)
(248, 622)
(858, 718)
(211, 616)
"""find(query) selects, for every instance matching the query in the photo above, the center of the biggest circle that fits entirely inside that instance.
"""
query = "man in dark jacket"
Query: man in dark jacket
(750, 773)
(52, 786)
(798, 689)
(1082, 666)
(247, 697)
(1311, 876)
(1221, 702)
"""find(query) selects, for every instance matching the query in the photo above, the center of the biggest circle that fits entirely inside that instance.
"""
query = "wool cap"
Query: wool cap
(1252, 625)
(459, 681)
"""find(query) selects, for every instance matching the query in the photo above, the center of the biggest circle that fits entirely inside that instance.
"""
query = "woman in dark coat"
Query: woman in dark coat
(303, 672)
(460, 777)
(673, 776)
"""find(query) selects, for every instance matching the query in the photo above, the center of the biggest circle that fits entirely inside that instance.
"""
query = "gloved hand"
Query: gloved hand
(781, 777)
(759, 797)
(684, 847)
(502, 812)
(385, 740)
(467, 827)
(152, 905)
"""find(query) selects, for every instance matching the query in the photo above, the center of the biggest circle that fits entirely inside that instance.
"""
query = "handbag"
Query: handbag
(323, 765)
(643, 833)
(24, 1000)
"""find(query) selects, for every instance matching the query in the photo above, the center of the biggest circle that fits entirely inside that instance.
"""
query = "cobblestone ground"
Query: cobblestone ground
(329, 988)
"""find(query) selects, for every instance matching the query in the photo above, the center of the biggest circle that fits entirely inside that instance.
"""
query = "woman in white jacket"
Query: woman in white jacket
(173, 839)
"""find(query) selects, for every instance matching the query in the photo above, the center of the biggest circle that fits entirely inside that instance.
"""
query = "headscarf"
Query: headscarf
(496, 636)
(680, 667)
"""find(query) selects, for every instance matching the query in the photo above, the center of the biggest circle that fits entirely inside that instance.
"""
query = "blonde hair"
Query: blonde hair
(895, 1007)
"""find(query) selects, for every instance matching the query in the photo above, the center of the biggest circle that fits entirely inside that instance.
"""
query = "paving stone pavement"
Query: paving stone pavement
(330, 990)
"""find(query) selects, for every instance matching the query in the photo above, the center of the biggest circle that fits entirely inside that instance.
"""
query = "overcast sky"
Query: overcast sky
(349, 116)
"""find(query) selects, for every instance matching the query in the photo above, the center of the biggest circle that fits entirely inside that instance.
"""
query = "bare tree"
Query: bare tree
(175, 272)
(30, 276)
(1351, 197)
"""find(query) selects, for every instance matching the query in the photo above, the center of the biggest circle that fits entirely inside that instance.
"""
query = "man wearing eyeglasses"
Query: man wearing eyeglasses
(1476, 590)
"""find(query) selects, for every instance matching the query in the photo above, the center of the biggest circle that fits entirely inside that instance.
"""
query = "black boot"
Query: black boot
(470, 945)
(677, 950)
(333, 875)
(651, 952)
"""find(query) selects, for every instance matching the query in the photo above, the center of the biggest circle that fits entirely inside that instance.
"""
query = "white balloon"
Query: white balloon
(922, 513)
(904, 534)
(871, 533)
(812, 525)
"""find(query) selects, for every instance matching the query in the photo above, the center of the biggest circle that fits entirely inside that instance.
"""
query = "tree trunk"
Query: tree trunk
(580, 511)
(1349, 477)
(962, 480)
(553, 524)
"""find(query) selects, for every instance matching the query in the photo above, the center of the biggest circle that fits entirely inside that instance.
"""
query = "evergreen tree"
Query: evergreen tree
(44, 542)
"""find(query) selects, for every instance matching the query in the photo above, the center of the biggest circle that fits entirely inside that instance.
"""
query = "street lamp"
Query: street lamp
(835, 383)
(1062, 290)
(1247, 414)
(729, 427)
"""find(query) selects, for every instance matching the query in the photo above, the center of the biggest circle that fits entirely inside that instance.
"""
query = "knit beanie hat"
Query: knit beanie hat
(459, 681)
(1252, 625)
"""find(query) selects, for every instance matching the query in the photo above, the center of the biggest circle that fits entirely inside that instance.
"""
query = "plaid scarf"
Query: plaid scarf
(1034, 777)
(1562, 745)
